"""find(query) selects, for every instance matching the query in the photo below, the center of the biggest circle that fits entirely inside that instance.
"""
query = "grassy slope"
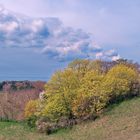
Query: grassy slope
(121, 122)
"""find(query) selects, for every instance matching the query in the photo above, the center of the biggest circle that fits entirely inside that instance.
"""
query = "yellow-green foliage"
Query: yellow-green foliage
(89, 98)
(55, 107)
(80, 66)
(91, 83)
(60, 92)
(84, 66)
(118, 80)
(83, 89)
(31, 108)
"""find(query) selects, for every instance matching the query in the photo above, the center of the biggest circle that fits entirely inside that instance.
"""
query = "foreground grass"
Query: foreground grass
(120, 122)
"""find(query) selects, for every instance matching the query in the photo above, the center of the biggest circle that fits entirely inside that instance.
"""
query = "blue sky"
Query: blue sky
(37, 37)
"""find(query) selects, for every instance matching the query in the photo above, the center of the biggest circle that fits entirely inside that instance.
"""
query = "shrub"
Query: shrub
(55, 108)
(81, 92)
(61, 90)
(31, 121)
(118, 82)
(12, 105)
(46, 126)
(31, 108)
(89, 100)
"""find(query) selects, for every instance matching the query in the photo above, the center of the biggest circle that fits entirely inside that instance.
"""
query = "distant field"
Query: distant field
(121, 122)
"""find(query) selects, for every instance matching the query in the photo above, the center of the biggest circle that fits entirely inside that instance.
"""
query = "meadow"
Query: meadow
(119, 122)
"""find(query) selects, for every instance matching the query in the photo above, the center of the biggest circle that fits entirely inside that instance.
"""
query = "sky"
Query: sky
(38, 37)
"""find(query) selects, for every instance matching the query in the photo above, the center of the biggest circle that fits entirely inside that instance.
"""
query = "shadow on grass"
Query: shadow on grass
(113, 104)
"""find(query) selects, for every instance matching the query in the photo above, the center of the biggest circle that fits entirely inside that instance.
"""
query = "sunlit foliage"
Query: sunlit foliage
(84, 89)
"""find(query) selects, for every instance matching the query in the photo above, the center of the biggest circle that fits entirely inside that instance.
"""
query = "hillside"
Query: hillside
(120, 122)
(14, 95)
(13, 86)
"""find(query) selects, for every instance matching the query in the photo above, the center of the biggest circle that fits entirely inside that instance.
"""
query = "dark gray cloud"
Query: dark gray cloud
(50, 37)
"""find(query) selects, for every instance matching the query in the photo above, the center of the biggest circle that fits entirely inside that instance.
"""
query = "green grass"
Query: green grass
(120, 122)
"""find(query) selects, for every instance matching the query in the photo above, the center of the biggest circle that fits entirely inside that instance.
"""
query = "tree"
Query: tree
(83, 90)
(61, 90)
(89, 99)
(118, 82)
(31, 108)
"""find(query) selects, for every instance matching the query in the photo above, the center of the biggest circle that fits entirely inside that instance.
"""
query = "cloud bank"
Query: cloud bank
(50, 37)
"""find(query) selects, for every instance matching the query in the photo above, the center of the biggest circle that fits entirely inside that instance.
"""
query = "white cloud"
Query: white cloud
(1, 7)
(50, 36)
(9, 27)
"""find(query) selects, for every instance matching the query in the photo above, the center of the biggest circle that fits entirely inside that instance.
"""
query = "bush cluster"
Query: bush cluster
(81, 92)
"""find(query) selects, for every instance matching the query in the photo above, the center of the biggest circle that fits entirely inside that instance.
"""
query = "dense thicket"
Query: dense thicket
(12, 105)
(82, 91)
(14, 95)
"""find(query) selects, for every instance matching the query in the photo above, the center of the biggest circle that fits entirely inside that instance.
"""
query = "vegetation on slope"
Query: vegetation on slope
(81, 92)
(121, 121)
(14, 95)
